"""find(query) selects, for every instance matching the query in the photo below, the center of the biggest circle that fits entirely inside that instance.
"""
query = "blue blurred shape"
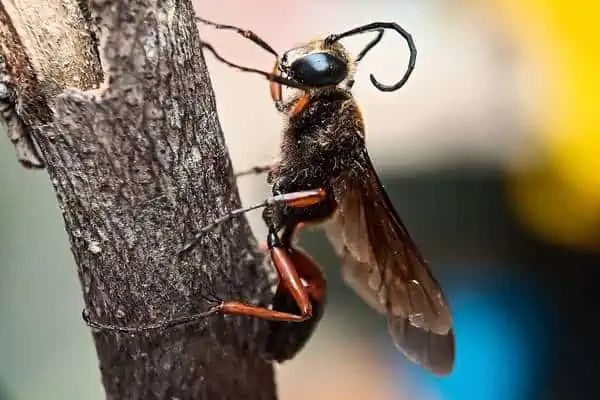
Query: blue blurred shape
(503, 329)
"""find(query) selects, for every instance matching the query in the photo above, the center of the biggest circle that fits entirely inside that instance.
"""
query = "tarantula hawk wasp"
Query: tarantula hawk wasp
(325, 176)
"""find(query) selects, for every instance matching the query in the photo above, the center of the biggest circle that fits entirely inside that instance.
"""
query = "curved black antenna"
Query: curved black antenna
(253, 37)
(270, 76)
(383, 25)
(364, 52)
(370, 45)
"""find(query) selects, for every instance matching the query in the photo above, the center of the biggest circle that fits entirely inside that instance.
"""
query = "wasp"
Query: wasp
(324, 176)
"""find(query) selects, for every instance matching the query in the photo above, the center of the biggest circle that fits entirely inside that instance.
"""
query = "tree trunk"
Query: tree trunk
(139, 165)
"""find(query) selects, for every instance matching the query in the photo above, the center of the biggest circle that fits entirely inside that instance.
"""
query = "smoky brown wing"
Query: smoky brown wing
(383, 265)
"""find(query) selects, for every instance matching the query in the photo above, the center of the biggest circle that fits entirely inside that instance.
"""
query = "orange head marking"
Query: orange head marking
(276, 86)
(300, 104)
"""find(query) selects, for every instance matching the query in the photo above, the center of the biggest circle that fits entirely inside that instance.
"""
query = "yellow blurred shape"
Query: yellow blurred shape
(560, 196)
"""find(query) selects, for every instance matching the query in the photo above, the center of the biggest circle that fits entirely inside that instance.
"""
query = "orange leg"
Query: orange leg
(284, 261)
(300, 199)
(290, 281)
(292, 266)
(286, 264)
(286, 339)
(309, 271)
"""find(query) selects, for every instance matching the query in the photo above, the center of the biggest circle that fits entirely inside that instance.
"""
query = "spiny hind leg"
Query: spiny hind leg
(287, 339)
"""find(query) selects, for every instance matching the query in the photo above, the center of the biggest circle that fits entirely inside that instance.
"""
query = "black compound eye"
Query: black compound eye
(319, 69)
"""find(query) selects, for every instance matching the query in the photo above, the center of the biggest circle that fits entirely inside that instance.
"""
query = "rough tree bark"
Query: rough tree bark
(138, 165)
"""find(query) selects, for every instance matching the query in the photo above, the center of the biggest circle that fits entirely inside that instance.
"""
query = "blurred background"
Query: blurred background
(490, 154)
